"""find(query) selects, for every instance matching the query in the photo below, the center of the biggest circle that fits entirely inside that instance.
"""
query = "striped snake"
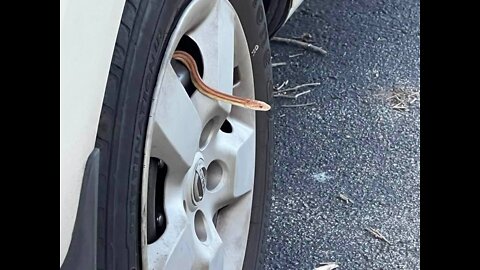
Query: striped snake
(208, 91)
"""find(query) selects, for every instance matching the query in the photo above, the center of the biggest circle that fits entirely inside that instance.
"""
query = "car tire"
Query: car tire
(143, 35)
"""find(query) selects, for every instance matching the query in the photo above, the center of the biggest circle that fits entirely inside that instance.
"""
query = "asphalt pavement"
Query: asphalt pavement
(350, 161)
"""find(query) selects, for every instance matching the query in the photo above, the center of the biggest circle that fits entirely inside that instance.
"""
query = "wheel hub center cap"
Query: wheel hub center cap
(199, 182)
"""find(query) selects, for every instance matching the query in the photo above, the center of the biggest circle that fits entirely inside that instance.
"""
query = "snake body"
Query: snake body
(189, 62)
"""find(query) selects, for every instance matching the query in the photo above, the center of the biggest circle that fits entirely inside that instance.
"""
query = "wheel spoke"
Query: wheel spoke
(176, 142)
(175, 249)
(236, 151)
(215, 38)
(180, 248)
(232, 225)
(216, 253)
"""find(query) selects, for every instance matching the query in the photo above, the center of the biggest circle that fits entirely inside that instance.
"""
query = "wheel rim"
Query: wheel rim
(208, 148)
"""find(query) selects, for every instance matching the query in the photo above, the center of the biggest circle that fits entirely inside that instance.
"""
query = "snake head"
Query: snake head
(257, 105)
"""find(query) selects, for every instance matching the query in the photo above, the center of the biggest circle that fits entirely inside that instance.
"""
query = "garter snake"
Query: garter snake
(208, 91)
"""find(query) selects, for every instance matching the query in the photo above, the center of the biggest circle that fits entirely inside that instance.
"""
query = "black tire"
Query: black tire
(144, 31)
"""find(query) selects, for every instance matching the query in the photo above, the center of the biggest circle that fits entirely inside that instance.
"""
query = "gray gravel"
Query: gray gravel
(351, 141)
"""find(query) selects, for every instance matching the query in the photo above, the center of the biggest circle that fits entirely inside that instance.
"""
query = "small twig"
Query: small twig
(327, 266)
(401, 98)
(298, 105)
(393, 96)
(281, 85)
(399, 107)
(292, 97)
(378, 235)
(298, 86)
(307, 37)
(302, 44)
(278, 64)
(295, 55)
(345, 198)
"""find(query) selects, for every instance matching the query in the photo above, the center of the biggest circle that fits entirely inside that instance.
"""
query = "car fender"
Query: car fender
(88, 30)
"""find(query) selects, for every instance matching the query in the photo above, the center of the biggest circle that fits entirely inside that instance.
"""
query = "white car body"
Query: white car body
(88, 30)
